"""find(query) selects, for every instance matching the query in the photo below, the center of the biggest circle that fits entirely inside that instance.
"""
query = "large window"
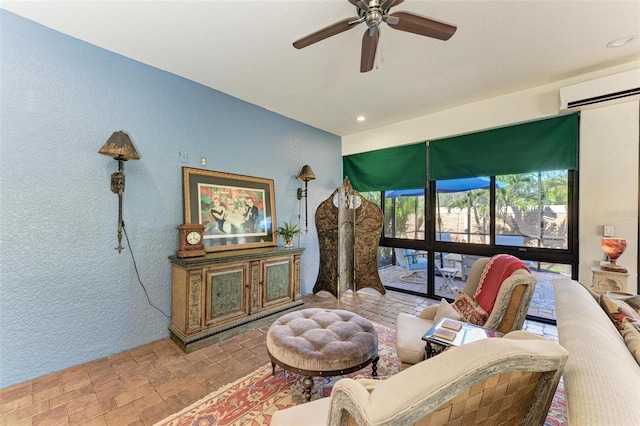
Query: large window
(531, 210)
(527, 215)
(448, 202)
(405, 214)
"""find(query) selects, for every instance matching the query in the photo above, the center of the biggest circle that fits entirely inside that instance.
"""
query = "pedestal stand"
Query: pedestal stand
(604, 281)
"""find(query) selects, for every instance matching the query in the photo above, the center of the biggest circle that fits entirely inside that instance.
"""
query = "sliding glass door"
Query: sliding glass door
(428, 248)
(451, 201)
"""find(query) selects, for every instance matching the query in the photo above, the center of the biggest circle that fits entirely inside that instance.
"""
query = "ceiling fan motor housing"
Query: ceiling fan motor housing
(374, 17)
(373, 14)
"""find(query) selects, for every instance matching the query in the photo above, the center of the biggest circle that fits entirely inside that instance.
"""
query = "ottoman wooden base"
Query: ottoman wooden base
(322, 342)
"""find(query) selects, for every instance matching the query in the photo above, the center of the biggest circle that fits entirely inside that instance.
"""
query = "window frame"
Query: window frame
(568, 256)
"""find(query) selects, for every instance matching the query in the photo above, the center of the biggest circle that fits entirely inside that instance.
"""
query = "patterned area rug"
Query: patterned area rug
(254, 398)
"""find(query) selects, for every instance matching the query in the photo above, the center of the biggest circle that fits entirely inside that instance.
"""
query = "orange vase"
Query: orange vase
(613, 248)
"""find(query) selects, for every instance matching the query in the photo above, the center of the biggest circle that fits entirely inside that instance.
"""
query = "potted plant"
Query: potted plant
(288, 230)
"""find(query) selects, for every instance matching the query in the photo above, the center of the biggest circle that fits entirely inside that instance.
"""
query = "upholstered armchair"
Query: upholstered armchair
(508, 313)
(509, 380)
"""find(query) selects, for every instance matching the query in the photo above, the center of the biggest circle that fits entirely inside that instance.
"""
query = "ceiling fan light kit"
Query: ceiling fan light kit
(373, 13)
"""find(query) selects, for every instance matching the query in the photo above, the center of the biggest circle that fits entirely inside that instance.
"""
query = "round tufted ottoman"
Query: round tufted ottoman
(322, 342)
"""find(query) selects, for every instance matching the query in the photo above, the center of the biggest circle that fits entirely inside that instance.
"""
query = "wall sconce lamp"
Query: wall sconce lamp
(306, 174)
(120, 147)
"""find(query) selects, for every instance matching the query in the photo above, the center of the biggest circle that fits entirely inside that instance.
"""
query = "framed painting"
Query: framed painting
(236, 211)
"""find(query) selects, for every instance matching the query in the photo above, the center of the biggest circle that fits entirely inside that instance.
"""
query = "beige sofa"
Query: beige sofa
(509, 380)
(601, 378)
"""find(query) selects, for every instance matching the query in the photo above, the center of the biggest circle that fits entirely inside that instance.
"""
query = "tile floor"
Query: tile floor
(148, 383)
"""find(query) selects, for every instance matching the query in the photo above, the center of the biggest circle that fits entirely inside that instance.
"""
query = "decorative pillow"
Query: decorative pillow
(634, 302)
(632, 339)
(618, 311)
(635, 324)
(445, 310)
(470, 310)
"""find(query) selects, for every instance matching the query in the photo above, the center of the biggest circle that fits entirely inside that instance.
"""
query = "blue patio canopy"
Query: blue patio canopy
(449, 185)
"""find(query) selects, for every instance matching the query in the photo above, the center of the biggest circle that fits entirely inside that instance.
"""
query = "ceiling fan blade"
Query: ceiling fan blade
(391, 20)
(369, 46)
(390, 3)
(327, 32)
(422, 26)
(362, 5)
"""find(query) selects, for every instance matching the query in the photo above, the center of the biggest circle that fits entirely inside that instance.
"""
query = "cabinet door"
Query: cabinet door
(226, 295)
(277, 281)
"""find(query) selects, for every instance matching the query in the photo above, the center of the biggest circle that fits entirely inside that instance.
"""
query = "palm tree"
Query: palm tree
(515, 200)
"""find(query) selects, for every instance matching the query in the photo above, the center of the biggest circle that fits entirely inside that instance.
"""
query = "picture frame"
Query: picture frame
(237, 211)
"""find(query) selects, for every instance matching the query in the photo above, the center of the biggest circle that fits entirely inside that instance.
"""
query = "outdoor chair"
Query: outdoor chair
(514, 241)
(507, 314)
(409, 260)
(493, 381)
(466, 264)
(510, 240)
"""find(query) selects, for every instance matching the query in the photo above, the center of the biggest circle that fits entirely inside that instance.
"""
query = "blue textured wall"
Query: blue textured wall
(66, 296)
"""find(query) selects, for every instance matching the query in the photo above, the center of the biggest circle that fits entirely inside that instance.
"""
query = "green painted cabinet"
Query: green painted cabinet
(219, 294)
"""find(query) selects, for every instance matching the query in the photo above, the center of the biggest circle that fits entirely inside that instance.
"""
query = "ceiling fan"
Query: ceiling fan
(373, 14)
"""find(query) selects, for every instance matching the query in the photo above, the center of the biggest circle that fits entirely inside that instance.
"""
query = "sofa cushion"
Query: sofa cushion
(618, 311)
(445, 310)
(470, 309)
(299, 414)
(409, 345)
(632, 339)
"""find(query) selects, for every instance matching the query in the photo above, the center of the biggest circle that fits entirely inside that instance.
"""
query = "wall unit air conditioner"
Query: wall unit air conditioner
(615, 88)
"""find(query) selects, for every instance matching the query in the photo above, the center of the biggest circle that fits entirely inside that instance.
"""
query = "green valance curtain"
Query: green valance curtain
(400, 167)
(537, 146)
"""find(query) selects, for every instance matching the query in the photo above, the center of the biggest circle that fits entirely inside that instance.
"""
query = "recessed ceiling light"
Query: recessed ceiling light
(621, 41)
(361, 118)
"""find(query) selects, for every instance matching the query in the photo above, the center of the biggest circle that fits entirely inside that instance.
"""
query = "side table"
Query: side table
(604, 281)
(448, 274)
(467, 333)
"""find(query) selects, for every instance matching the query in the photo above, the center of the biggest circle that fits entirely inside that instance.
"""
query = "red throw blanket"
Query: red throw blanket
(498, 268)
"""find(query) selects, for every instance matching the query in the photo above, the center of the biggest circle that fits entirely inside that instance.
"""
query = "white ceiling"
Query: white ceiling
(243, 48)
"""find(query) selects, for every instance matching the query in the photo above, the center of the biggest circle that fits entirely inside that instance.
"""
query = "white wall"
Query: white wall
(518, 107)
(608, 179)
(609, 184)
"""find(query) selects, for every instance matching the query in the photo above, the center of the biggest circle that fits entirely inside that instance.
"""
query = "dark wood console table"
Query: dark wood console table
(213, 294)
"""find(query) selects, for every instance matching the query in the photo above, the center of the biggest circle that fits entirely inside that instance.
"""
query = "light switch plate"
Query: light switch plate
(608, 231)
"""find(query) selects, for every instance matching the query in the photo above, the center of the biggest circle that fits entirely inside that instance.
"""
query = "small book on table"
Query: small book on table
(445, 334)
(451, 324)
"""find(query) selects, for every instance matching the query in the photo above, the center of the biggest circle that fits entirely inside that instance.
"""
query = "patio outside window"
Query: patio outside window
(529, 213)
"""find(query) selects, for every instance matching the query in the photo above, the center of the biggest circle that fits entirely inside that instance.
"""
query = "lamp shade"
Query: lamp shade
(120, 147)
(306, 174)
